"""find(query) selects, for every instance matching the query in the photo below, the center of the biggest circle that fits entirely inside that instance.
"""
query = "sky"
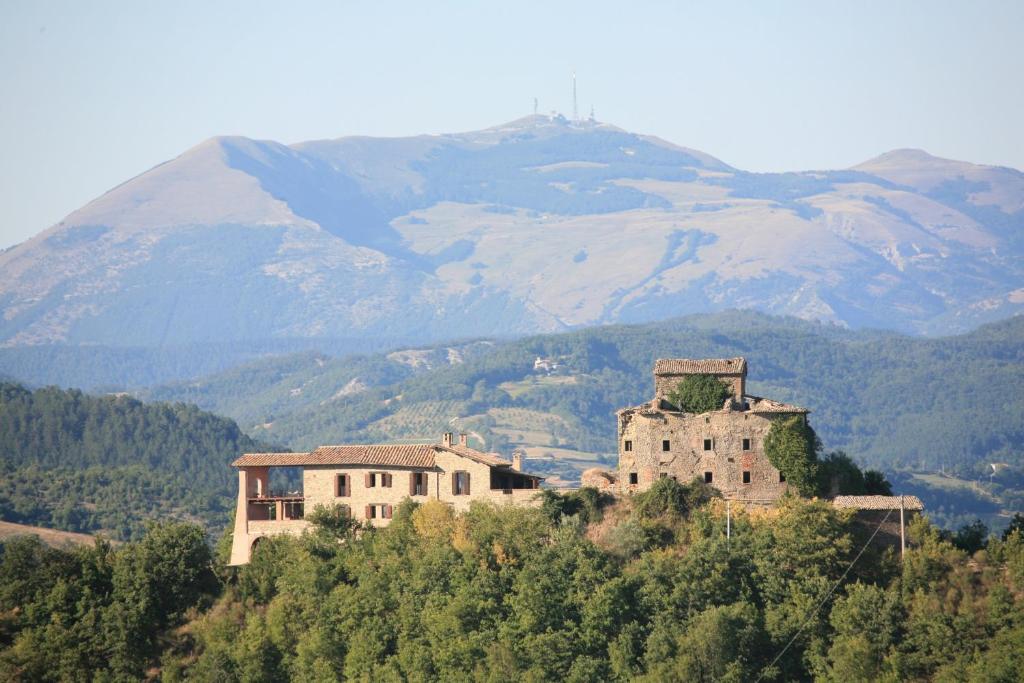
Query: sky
(94, 93)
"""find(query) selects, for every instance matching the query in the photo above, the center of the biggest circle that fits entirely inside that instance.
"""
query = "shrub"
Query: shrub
(792, 448)
(699, 394)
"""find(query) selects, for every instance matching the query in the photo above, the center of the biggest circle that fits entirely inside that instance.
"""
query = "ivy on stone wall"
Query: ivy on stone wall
(792, 448)
(699, 394)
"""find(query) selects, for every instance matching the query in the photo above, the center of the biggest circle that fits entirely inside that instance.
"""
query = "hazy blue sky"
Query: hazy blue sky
(92, 93)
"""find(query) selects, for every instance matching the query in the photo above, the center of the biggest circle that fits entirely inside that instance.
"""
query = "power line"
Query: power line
(825, 599)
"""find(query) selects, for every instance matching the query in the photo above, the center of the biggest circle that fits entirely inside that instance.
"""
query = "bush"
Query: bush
(792, 448)
(699, 394)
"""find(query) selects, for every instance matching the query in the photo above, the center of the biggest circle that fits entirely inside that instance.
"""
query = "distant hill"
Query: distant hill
(538, 225)
(86, 463)
(891, 401)
(51, 537)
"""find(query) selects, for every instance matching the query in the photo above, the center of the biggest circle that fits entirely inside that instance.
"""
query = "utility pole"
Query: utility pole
(903, 538)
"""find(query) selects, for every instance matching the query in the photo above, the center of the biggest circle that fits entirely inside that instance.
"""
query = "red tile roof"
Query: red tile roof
(709, 366)
(380, 455)
(373, 455)
(492, 459)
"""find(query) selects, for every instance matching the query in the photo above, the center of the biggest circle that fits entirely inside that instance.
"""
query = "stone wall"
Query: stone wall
(686, 458)
(664, 384)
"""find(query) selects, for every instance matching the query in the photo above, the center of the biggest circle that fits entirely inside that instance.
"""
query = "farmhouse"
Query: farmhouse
(723, 447)
(370, 480)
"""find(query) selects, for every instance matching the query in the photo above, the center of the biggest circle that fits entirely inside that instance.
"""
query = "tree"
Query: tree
(699, 394)
(792, 448)
(1016, 525)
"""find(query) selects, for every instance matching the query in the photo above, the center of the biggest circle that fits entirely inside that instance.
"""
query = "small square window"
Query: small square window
(746, 444)
(633, 478)
(708, 477)
(628, 446)
(664, 474)
(782, 477)
(707, 420)
(707, 444)
(746, 476)
(665, 445)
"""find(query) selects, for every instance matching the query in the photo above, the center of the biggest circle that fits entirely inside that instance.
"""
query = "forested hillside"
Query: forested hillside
(648, 589)
(86, 463)
(899, 403)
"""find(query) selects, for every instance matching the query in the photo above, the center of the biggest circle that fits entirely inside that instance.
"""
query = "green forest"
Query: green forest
(580, 588)
(85, 463)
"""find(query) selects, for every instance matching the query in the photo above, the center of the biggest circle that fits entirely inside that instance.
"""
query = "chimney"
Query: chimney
(463, 440)
(446, 439)
(517, 460)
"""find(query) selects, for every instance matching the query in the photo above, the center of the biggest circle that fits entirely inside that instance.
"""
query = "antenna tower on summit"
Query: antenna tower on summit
(575, 111)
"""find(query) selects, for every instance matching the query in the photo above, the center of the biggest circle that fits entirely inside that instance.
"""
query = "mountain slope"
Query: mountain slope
(536, 225)
(89, 463)
(892, 401)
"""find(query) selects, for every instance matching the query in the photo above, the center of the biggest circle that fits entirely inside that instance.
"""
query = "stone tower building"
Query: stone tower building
(724, 447)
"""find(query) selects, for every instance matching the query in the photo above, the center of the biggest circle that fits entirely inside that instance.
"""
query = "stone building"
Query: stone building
(370, 480)
(724, 447)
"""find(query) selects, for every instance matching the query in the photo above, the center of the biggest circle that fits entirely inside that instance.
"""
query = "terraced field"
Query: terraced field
(423, 421)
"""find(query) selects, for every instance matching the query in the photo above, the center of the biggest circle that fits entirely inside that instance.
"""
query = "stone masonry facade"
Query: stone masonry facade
(370, 481)
(724, 447)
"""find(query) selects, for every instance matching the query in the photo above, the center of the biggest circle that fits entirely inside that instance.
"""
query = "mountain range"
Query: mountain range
(538, 225)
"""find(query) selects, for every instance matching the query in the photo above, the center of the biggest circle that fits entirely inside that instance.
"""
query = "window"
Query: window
(341, 486)
(746, 444)
(664, 474)
(379, 511)
(746, 476)
(708, 477)
(417, 483)
(707, 420)
(628, 446)
(375, 479)
(707, 444)
(782, 477)
(666, 445)
(460, 483)
(633, 478)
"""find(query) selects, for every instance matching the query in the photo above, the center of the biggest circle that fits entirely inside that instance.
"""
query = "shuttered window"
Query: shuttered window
(460, 483)
(341, 486)
(417, 483)
(370, 480)
(371, 512)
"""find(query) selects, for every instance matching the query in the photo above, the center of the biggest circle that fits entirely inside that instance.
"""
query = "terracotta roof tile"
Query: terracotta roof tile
(492, 459)
(381, 455)
(710, 366)
(877, 502)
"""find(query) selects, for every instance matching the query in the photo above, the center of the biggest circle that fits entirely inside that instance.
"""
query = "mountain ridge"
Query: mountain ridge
(535, 225)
